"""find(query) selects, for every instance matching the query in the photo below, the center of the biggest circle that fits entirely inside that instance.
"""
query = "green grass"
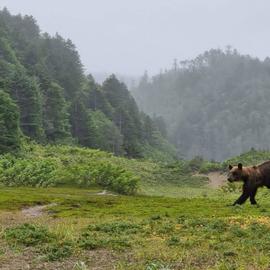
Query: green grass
(175, 221)
(177, 233)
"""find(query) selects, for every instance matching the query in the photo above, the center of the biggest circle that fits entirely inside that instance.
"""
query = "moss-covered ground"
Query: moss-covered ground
(85, 230)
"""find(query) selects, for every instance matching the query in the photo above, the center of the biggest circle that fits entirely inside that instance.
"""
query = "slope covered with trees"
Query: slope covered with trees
(57, 103)
(215, 106)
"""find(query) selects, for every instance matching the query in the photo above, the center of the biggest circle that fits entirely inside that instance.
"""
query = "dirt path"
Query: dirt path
(216, 179)
(105, 193)
(36, 211)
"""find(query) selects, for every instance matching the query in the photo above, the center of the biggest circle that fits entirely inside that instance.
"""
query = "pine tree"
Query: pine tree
(9, 124)
(25, 91)
(81, 123)
(107, 135)
(55, 114)
(126, 115)
(95, 98)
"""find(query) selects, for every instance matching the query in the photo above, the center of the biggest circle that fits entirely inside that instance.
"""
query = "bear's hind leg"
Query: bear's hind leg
(252, 196)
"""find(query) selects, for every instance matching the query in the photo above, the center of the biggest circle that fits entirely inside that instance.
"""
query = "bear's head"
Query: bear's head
(235, 173)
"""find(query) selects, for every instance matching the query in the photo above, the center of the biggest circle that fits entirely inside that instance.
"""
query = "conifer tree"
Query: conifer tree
(9, 124)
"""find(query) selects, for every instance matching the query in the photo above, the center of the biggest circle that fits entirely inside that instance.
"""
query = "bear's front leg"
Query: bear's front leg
(242, 198)
(252, 196)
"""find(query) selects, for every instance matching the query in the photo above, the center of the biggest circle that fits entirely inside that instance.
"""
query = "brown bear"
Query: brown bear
(253, 177)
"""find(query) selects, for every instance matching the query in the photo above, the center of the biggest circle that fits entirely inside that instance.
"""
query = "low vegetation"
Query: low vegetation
(190, 227)
(46, 166)
(137, 232)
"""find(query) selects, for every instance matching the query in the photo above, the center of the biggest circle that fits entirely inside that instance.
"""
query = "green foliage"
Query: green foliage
(102, 173)
(157, 265)
(215, 105)
(161, 151)
(58, 103)
(208, 166)
(111, 235)
(56, 165)
(56, 117)
(80, 266)
(58, 250)
(107, 136)
(252, 157)
(81, 122)
(136, 232)
(195, 163)
(27, 235)
(117, 227)
(9, 124)
(26, 93)
(28, 172)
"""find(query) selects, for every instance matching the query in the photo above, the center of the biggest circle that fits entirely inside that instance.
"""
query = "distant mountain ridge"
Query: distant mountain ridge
(215, 106)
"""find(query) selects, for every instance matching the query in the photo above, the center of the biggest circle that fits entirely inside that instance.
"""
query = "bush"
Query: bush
(28, 235)
(207, 167)
(117, 227)
(195, 163)
(51, 166)
(25, 172)
(57, 250)
(89, 242)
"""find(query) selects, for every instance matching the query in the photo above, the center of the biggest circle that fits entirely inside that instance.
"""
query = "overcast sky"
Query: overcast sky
(130, 36)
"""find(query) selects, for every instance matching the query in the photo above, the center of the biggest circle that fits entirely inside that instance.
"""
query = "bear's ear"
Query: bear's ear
(230, 167)
(240, 166)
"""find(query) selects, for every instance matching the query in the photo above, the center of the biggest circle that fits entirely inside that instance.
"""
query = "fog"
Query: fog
(128, 37)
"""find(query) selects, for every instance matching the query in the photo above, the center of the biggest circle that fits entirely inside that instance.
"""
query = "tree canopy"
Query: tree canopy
(215, 106)
(58, 103)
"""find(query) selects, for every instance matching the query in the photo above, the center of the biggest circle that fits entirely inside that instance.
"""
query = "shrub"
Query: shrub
(93, 240)
(195, 163)
(117, 227)
(28, 235)
(88, 241)
(173, 241)
(207, 167)
(48, 166)
(57, 250)
(102, 173)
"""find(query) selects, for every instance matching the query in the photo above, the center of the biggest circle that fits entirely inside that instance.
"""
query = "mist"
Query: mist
(128, 37)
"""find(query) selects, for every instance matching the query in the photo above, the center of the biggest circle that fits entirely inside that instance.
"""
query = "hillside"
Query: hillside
(56, 102)
(58, 166)
(57, 215)
(215, 106)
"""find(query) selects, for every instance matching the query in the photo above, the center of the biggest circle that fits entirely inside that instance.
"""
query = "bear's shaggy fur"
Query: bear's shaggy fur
(253, 178)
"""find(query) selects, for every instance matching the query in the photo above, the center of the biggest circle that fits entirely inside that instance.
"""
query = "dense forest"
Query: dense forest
(46, 96)
(215, 106)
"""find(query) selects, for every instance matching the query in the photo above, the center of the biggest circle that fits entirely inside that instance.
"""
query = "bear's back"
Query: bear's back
(264, 169)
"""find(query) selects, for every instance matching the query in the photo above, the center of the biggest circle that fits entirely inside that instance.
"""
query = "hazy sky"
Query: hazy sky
(130, 36)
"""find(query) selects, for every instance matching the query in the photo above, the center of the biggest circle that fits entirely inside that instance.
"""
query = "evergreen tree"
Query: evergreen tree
(25, 91)
(63, 64)
(9, 124)
(81, 123)
(56, 101)
(95, 98)
(126, 115)
(107, 135)
(55, 115)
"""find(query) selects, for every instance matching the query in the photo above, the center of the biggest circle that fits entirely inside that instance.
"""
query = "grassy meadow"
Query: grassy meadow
(174, 220)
